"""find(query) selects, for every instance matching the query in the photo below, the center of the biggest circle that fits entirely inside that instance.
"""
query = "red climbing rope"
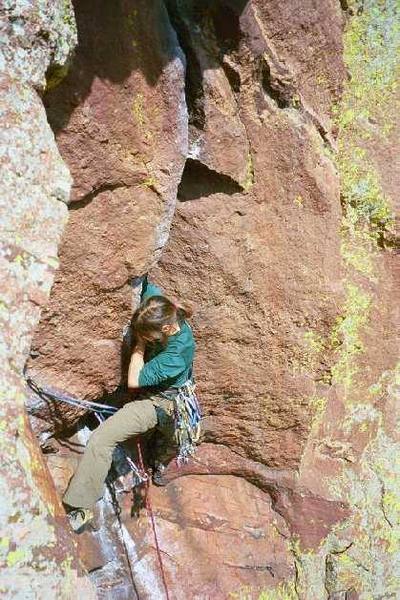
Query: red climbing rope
(151, 515)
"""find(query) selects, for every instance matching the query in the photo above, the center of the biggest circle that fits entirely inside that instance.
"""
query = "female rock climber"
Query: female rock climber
(161, 364)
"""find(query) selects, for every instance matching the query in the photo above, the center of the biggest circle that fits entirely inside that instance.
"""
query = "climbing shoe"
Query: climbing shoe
(79, 517)
(158, 477)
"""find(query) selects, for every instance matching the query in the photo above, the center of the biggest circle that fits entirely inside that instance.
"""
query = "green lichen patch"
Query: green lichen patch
(372, 563)
(248, 180)
(140, 117)
(299, 201)
(358, 252)
(317, 405)
(314, 342)
(362, 554)
(309, 353)
(371, 54)
(365, 206)
(284, 591)
(138, 109)
(16, 557)
(345, 336)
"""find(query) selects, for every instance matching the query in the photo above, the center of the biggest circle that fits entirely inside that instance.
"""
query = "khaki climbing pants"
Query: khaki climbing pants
(134, 418)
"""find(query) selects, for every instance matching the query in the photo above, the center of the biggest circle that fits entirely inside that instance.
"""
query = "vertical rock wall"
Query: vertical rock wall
(121, 124)
(37, 557)
(346, 447)
(354, 442)
(285, 238)
(261, 260)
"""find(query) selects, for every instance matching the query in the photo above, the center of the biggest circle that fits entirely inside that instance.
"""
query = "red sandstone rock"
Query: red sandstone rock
(310, 49)
(309, 517)
(246, 260)
(243, 261)
(91, 300)
(121, 126)
(217, 136)
(255, 244)
(217, 534)
(37, 556)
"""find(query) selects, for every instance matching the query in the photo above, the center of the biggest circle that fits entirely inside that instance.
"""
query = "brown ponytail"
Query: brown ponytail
(183, 311)
(155, 312)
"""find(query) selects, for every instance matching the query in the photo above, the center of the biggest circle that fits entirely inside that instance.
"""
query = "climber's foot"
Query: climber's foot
(79, 518)
(158, 477)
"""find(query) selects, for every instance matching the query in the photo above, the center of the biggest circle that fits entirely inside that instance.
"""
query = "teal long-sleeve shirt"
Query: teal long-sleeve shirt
(170, 365)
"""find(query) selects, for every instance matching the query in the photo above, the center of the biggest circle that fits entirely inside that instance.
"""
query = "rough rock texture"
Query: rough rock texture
(355, 441)
(121, 123)
(286, 240)
(263, 267)
(216, 533)
(37, 557)
(351, 366)
(217, 136)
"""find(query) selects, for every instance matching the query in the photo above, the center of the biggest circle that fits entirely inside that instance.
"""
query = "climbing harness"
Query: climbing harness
(187, 420)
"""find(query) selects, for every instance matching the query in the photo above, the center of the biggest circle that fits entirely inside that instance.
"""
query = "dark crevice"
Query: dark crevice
(387, 239)
(109, 187)
(232, 76)
(322, 132)
(226, 27)
(342, 550)
(296, 578)
(276, 91)
(193, 78)
(228, 35)
(199, 181)
(352, 9)
(215, 28)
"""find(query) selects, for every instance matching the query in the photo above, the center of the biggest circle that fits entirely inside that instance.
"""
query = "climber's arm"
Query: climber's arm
(136, 364)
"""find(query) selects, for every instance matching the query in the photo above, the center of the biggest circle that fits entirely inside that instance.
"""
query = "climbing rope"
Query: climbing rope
(45, 394)
(117, 511)
(152, 520)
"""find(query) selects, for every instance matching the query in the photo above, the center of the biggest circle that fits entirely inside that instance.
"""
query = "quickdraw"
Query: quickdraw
(187, 421)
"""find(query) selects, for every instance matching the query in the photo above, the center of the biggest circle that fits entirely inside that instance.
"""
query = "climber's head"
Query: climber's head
(157, 318)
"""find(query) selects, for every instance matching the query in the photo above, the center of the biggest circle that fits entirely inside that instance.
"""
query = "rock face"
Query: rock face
(121, 123)
(217, 534)
(37, 557)
(285, 239)
(261, 262)
(354, 441)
